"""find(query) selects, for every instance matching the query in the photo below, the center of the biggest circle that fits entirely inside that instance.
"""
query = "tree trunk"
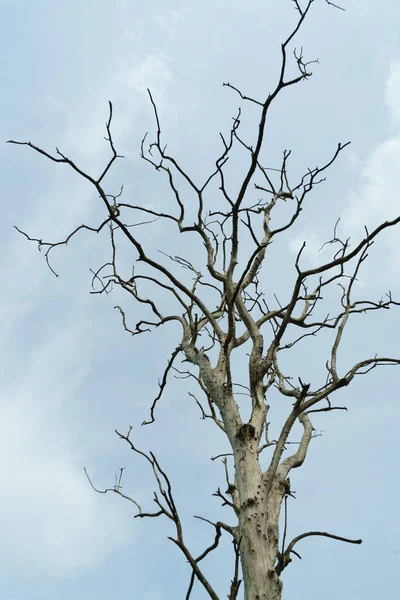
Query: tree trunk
(258, 523)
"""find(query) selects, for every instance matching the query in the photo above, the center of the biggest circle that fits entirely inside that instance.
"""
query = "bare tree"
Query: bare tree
(223, 311)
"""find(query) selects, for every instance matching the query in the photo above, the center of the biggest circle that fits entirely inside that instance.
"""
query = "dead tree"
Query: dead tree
(223, 311)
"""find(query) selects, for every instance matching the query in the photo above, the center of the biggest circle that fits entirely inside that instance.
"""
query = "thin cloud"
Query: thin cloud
(377, 198)
(169, 21)
(50, 518)
(313, 252)
(153, 72)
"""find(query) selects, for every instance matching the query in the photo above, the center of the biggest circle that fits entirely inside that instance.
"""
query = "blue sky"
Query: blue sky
(70, 375)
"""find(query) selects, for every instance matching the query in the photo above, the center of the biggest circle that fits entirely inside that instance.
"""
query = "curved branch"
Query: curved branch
(51, 245)
(320, 533)
(284, 559)
(162, 384)
(297, 459)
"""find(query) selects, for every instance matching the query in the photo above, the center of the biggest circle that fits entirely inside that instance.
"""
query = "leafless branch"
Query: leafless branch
(41, 244)
(235, 583)
(226, 270)
(162, 384)
(284, 558)
(166, 503)
(116, 489)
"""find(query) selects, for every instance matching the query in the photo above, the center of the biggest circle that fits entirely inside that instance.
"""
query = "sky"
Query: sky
(70, 375)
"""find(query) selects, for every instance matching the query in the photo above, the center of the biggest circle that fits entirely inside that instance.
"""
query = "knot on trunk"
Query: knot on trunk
(246, 433)
(249, 502)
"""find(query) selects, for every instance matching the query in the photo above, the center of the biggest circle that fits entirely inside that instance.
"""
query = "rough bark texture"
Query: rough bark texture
(258, 527)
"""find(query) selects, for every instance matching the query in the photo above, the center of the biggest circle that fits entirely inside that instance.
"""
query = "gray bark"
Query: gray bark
(258, 526)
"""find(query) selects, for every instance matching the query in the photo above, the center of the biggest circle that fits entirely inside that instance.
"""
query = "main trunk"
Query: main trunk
(258, 526)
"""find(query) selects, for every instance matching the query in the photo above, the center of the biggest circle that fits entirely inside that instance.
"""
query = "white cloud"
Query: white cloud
(68, 203)
(54, 215)
(313, 251)
(153, 72)
(169, 21)
(83, 139)
(378, 199)
(392, 95)
(49, 516)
